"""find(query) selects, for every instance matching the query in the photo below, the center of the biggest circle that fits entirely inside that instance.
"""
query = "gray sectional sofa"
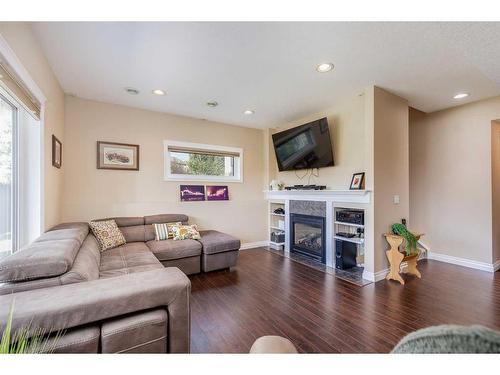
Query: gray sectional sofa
(130, 299)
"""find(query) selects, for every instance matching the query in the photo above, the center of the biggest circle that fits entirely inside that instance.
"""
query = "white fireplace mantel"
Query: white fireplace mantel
(341, 196)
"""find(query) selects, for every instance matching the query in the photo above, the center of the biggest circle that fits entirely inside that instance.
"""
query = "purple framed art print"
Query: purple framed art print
(217, 193)
(192, 193)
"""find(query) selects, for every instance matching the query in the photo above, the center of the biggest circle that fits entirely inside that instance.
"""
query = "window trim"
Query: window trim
(168, 176)
(11, 101)
(10, 57)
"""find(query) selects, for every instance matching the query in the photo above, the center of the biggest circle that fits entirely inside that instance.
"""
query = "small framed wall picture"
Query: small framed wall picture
(192, 193)
(217, 193)
(119, 156)
(358, 181)
(56, 152)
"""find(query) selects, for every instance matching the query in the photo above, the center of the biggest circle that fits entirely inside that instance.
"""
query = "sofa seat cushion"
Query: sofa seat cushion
(144, 332)
(214, 242)
(83, 339)
(171, 249)
(129, 258)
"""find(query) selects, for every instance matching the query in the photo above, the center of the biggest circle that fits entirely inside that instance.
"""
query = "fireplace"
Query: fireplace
(307, 236)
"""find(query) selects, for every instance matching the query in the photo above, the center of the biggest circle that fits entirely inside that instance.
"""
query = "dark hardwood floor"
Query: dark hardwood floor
(267, 294)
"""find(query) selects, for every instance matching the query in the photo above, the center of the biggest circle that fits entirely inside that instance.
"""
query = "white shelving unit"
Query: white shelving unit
(359, 241)
(276, 223)
(349, 224)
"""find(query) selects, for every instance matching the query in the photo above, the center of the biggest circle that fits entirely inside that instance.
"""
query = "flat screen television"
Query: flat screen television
(303, 147)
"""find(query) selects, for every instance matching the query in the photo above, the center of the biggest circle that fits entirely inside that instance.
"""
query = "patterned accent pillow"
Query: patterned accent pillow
(164, 231)
(107, 233)
(184, 232)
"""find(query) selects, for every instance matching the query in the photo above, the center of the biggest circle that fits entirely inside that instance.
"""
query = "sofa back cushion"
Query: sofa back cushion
(140, 228)
(165, 218)
(85, 268)
(52, 254)
(86, 264)
(132, 228)
(160, 219)
(165, 231)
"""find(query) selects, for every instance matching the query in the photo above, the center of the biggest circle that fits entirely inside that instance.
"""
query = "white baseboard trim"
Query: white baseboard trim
(253, 245)
(374, 277)
(496, 266)
(483, 266)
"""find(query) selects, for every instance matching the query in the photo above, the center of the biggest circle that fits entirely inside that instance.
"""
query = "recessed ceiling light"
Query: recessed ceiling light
(1, 76)
(212, 104)
(248, 112)
(325, 67)
(131, 91)
(461, 95)
(159, 92)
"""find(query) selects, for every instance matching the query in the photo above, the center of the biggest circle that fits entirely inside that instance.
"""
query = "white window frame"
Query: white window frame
(169, 176)
(15, 104)
(13, 61)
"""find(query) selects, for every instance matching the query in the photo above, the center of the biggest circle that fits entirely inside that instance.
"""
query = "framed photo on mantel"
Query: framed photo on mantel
(358, 181)
(120, 156)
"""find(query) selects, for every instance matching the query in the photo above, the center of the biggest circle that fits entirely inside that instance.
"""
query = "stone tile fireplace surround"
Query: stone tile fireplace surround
(307, 226)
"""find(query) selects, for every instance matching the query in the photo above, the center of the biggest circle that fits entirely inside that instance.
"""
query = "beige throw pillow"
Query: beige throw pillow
(107, 233)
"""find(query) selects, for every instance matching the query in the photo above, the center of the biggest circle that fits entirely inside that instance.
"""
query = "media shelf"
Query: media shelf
(353, 229)
(276, 243)
(359, 241)
(349, 224)
(276, 225)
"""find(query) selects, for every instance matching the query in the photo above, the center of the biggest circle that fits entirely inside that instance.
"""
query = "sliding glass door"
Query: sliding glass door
(8, 177)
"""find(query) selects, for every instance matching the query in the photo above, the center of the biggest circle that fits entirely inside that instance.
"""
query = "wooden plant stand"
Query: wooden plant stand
(396, 257)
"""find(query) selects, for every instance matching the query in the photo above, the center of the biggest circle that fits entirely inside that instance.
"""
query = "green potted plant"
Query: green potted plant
(411, 239)
(26, 340)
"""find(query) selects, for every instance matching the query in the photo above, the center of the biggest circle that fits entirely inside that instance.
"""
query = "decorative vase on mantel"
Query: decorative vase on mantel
(275, 185)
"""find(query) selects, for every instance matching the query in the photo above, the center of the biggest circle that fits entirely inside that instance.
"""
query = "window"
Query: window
(200, 162)
(20, 174)
(7, 173)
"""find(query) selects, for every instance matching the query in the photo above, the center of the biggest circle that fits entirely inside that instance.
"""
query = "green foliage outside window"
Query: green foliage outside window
(206, 165)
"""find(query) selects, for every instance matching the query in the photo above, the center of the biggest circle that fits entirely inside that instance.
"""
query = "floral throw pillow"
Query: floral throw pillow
(107, 234)
(184, 232)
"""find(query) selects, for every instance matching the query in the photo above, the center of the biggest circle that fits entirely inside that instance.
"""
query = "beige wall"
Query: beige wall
(390, 168)
(369, 134)
(22, 41)
(93, 193)
(450, 183)
(347, 131)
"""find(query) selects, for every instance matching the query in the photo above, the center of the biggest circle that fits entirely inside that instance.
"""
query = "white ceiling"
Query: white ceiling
(270, 67)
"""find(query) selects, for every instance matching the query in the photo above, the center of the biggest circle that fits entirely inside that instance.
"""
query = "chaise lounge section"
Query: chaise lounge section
(220, 250)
